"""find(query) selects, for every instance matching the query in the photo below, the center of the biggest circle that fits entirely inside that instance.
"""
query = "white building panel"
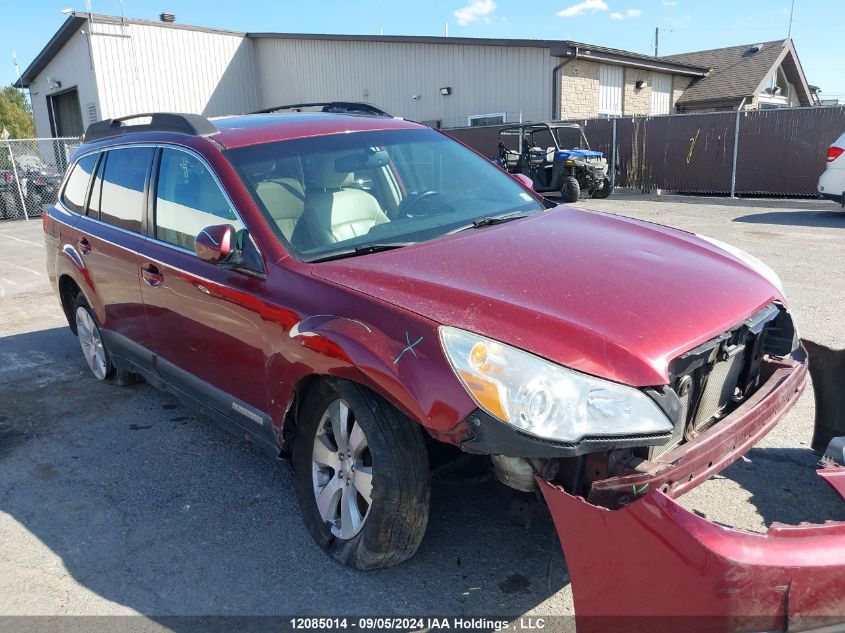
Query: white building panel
(611, 80)
(661, 93)
(143, 68)
(405, 78)
(72, 69)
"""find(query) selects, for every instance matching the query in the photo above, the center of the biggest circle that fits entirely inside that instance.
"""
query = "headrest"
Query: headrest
(324, 173)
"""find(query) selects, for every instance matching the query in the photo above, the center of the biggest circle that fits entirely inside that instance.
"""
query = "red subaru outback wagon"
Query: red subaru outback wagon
(352, 291)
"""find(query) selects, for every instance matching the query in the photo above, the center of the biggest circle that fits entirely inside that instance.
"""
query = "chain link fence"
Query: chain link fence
(756, 152)
(30, 173)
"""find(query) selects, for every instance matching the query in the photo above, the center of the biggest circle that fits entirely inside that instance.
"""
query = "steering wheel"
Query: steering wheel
(415, 199)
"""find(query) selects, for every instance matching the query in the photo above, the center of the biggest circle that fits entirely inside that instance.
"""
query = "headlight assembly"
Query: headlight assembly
(545, 399)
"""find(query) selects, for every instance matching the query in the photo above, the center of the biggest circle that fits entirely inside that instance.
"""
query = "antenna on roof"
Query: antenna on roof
(446, 28)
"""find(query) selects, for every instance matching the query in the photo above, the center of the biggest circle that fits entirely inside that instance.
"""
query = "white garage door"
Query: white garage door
(661, 93)
(610, 90)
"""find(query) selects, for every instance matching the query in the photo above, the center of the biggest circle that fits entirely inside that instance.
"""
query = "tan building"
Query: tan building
(595, 81)
(100, 66)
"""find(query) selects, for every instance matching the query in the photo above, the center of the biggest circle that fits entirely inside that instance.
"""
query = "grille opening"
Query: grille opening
(714, 378)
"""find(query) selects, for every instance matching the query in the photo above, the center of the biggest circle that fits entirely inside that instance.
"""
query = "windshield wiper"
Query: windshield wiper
(491, 220)
(361, 249)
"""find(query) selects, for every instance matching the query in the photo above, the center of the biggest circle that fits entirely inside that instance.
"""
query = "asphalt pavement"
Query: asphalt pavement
(120, 500)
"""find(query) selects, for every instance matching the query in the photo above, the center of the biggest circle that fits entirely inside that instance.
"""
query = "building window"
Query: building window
(661, 93)
(776, 91)
(610, 90)
(477, 120)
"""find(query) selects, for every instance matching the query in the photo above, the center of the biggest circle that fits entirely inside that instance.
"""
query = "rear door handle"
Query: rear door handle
(152, 275)
(84, 246)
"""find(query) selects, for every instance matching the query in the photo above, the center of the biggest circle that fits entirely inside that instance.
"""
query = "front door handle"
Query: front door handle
(84, 246)
(151, 275)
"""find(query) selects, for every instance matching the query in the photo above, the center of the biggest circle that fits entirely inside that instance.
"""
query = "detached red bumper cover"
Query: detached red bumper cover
(654, 566)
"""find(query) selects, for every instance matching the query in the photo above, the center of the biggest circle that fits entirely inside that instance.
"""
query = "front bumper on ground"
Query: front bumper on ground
(655, 566)
(652, 565)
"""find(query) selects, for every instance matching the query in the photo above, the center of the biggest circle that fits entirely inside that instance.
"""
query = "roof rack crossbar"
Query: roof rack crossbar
(334, 107)
(192, 124)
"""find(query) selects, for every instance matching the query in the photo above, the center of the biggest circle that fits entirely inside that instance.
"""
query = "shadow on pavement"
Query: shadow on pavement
(159, 511)
(784, 486)
(829, 218)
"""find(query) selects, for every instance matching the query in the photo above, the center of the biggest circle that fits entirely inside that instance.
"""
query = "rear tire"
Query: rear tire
(90, 339)
(372, 484)
(570, 191)
(605, 191)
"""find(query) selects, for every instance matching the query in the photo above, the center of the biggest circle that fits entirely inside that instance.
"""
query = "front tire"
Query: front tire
(605, 190)
(91, 340)
(570, 190)
(362, 476)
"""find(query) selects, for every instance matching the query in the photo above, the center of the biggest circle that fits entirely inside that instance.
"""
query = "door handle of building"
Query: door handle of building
(151, 275)
(84, 246)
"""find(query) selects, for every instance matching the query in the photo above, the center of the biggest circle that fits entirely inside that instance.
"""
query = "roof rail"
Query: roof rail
(334, 107)
(193, 124)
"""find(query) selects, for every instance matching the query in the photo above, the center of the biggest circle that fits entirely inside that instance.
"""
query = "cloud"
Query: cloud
(684, 20)
(582, 7)
(670, 3)
(474, 11)
(630, 13)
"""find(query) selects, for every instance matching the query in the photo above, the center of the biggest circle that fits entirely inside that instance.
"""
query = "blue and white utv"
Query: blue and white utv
(537, 151)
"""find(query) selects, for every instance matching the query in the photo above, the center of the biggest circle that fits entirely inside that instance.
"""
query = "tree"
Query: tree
(15, 114)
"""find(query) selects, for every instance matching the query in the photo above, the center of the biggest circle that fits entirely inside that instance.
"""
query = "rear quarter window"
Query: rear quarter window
(76, 188)
(122, 196)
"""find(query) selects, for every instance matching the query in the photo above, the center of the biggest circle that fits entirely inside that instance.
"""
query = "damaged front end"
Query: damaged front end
(637, 560)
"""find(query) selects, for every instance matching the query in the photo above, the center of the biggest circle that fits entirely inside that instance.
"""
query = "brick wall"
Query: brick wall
(579, 83)
(579, 90)
(636, 102)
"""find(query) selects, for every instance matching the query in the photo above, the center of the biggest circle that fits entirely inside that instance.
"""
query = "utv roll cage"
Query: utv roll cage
(529, 129)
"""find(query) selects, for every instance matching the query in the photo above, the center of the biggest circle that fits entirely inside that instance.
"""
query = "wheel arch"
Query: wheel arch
(422, 388)
(68, 289)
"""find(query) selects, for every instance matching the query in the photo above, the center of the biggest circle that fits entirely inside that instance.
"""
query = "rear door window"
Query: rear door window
(122, 196)
(76, 188)
(188, 199)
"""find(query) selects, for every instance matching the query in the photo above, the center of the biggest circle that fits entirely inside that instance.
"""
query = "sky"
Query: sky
(684, 25)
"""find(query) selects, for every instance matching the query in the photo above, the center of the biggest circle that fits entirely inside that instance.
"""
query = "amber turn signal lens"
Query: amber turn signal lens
(486, 393)
(478, 357)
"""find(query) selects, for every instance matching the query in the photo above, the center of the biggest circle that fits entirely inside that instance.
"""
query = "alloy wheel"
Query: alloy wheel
(342, 471)
(91, 343)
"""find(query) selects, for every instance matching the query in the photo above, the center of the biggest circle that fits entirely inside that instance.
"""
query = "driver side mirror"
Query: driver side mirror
(525, 180)
(215, 244)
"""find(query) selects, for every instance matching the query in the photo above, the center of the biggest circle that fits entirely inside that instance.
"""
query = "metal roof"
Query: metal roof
(559, 48)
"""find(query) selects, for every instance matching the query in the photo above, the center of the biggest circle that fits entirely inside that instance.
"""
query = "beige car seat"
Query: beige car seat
(334, 211)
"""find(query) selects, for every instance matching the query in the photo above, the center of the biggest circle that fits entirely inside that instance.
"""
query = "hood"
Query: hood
(606, 295)
(579, 153)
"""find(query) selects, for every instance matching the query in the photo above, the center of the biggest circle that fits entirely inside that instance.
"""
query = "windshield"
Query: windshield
(345, 193)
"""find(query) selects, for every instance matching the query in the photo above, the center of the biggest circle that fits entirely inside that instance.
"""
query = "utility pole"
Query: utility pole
(657, 39)
(791, 11)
